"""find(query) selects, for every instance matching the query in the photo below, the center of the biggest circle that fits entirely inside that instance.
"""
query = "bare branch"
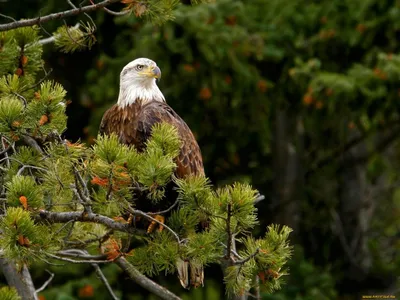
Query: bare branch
(71, 4)
(116, 13)
(29, 167)
(165, 211)
(79, 216)
(74, 261)
(143, 214)
(100, 239)
(31, 142)
(244, 260)
(259, 198)
(228, 230)
(105, 281)
(52, 39)
(56, 16)
(85, 255)
(20, 279)
(46, 74)
(145, 282)
(46, 283)
(24, 102)
(81, 254)
(8, 17)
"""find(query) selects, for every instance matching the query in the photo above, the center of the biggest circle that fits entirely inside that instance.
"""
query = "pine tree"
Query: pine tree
(310, 89)
(58, 194)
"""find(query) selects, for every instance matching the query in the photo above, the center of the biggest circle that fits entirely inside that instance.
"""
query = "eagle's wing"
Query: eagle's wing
(122, 122)
(190, 160)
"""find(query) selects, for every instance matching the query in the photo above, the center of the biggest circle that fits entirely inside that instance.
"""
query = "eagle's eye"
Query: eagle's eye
(139, 67)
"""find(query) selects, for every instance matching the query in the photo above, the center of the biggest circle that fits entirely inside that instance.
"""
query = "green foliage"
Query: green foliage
(21, 239)
(152, 168)
(203, 248)
(20, 53)
(71, 39)
(11, 111)
(156, 11)
(267, 258)
(109, 150)
(9, 293)
(157, 163)
(159, 255)
(24, 186)
(195, 194)
(164, 137)
(306, 281)
(238, 199)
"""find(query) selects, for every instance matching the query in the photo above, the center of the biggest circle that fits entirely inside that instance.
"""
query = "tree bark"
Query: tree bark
(287, 168)
(20, 279)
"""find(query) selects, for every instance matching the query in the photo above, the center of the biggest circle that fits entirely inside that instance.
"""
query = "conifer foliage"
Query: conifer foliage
(57, 195)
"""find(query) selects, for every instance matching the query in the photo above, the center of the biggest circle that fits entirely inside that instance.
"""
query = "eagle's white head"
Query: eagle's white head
(138, 81)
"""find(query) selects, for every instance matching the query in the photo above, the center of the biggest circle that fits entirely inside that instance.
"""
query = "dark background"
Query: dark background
(298, 98)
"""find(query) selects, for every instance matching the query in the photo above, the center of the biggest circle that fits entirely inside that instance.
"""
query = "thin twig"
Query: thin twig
(5, 150)
(31, 142)
(5, 153)
(228, 230)
(22, 98)
(105, 281)
(243, 261)
(56, 16)
(145, 282)
(259, 198)
(116, 13)
(8, 17)
(30, 167)
(71, 4)
(165, 211)
(257, 288)
(46, 74)
(81, 254)
(143, 214)
(74, 261)
(46, 283)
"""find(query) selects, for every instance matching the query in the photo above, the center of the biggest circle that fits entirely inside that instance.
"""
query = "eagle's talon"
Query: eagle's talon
(153, 224)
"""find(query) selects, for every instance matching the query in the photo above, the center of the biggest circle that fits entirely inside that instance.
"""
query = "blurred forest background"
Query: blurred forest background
(299, 98)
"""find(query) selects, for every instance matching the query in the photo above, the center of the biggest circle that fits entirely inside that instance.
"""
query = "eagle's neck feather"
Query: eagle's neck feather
(130, 92)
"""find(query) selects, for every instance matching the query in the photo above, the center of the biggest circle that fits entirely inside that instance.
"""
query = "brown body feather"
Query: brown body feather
(133, 125)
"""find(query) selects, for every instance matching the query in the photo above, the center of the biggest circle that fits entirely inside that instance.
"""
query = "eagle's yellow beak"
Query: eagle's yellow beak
(152, 72)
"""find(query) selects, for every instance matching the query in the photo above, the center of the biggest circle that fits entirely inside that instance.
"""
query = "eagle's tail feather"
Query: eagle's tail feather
(196, 278)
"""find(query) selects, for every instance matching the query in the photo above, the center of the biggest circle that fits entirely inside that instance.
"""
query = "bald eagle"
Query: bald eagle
(140, 105)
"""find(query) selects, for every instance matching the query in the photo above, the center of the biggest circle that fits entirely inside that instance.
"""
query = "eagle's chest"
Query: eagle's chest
(130, 127)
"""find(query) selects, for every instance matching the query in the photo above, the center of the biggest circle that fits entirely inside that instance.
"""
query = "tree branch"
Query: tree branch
(104, 280)
(64, 217)
(228, 230)
(20, 279)
(78, 253)
(145, 282)
(116, 13)
(46, 283)
(52, 39)
(143, 214)
(79, 261)
(56, 16)
(244, 260)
